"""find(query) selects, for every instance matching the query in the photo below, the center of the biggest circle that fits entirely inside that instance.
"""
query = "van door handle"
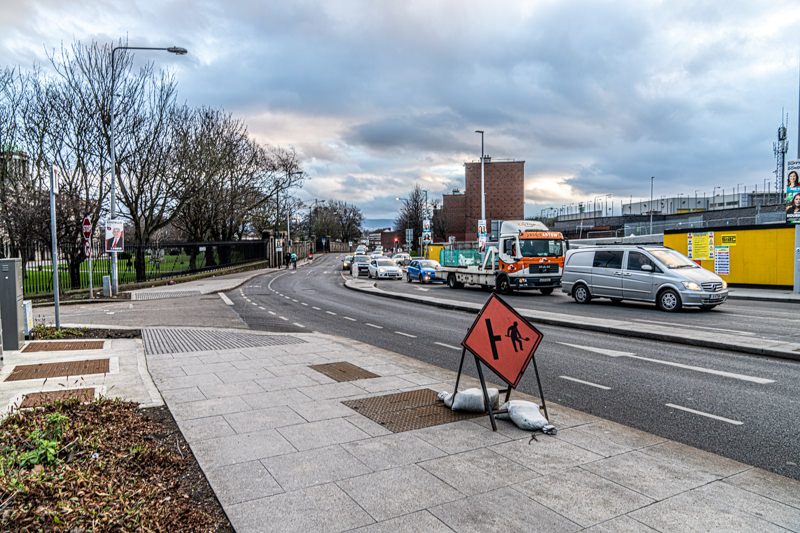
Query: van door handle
(617, 273)
(627, 273)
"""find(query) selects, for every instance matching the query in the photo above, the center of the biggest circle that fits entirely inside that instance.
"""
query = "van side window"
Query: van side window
(580, 259)
(637, 259)
(608, 259)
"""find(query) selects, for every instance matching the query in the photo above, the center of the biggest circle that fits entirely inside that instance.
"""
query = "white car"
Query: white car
(401, 259)
(384, 268)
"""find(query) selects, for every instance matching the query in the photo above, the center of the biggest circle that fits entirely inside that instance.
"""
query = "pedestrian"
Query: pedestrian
(294, 261)
(286, 258)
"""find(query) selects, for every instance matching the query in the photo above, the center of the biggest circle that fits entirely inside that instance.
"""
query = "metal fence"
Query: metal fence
(140, 262)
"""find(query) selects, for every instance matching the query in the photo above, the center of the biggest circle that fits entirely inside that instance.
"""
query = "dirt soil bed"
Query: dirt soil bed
(101, 466)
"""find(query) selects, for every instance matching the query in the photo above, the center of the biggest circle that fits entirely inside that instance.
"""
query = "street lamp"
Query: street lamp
(173, 50)
(483, 197)
(651, 203)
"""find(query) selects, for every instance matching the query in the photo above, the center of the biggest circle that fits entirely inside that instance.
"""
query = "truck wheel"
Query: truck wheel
(669, 301)
(581, 294)
(503, 285)
(547, 290)
(452, 283)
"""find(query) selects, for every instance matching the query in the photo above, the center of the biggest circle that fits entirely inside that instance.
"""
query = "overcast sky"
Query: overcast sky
(377, 96)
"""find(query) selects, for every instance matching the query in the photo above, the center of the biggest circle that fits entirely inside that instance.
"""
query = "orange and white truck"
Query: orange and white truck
(527, 256)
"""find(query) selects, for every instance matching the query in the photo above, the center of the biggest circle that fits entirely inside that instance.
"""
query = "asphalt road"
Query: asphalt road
(740, 406)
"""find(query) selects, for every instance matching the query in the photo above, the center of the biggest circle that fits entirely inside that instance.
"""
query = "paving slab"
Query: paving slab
(318, 466)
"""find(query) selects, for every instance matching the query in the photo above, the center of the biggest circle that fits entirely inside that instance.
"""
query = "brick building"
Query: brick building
(504, 190)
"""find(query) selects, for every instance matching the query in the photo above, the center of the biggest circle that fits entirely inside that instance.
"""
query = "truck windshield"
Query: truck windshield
(541, 247)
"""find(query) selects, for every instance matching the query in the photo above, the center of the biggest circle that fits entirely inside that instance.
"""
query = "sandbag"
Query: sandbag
(470, 400)
(525, 415)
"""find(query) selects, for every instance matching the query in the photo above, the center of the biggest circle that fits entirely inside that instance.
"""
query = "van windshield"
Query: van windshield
(673, 259)
(541, 247)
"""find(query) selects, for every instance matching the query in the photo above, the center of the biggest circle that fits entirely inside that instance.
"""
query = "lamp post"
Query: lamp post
(173, 50)
(483, 197)
(651, 203)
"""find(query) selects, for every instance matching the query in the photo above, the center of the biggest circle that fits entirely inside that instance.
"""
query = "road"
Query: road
(740, 406)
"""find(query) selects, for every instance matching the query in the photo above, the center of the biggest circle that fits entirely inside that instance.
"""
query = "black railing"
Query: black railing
(140, 262)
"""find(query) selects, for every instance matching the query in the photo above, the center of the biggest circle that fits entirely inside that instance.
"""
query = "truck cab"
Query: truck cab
(530, 256)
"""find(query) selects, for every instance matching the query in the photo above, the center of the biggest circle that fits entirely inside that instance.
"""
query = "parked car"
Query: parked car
(360, 265)
(401, 259)
(384, 268)
(423, 270)
(346, 262)
(644, 273)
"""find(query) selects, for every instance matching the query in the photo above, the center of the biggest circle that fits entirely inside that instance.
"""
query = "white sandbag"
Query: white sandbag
(470, 400)
(525, 415)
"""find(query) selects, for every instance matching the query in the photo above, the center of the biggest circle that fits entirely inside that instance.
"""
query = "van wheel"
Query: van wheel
(503, 285)
(669, 301)
(581, 294)
(452, 283)
(547, 290)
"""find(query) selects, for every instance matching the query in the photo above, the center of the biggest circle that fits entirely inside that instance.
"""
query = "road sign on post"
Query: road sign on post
(504, 341)
(87, 228)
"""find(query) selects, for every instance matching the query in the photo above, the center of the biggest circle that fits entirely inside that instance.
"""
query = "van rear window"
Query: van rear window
(580, 259)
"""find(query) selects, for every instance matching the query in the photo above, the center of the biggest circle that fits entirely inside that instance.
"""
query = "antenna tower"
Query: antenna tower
(779, 149)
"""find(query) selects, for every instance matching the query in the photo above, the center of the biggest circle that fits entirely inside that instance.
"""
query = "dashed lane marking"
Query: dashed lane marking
(707, 415)
(582, 382)
(447, 345)
(406, 334)
(373, 325)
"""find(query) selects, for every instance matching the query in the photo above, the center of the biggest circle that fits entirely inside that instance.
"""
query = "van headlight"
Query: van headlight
(724, 284)
(382, 270)
(692, 286)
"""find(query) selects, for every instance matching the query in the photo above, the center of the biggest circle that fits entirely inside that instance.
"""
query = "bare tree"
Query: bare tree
(412, 213)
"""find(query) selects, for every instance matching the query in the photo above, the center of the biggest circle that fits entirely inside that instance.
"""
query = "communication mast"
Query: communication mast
(779, 149)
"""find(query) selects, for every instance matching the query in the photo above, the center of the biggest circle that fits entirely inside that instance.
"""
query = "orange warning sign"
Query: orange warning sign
(503, 340)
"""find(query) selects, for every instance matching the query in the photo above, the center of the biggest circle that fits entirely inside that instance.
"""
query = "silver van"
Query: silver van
(646, 273)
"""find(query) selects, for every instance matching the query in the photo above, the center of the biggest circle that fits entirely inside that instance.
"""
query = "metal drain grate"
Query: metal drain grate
(343, 371)
(164, 341)
(57, 370)
(406, 411)
(38, 399)
(62, 345)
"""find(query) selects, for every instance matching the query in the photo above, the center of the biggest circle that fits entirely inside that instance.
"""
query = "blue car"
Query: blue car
(423, 270)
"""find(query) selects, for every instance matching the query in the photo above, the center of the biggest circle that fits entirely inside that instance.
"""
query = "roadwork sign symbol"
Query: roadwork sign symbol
(503, 340)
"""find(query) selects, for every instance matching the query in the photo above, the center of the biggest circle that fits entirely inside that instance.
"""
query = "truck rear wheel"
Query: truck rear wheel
(503, 285)
(452, 282)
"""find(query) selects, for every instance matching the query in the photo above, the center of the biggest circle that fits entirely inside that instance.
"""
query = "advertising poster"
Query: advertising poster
(481, 235)
(115, 238)
(793, 192)
(722, 263)
(690, 247)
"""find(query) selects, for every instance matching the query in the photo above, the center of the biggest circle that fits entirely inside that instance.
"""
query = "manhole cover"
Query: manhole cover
(406, 411)
(343, 371)
(63, 345)
(55, 370)
(38, 399)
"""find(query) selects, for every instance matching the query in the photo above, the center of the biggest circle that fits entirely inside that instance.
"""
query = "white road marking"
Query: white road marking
(406, 334)
(373, 325)
(657, 323)
(350, 319)
(283, 318)
(707, 415)
(253, 303)
(273, 313)
(263, 309)
(732, 375)
(303, 303)
(295, 301)
(585, 382)
(109, 312)
(331, 313)
(315, 307)
(448, 346)
(225, 298)
(298, 325)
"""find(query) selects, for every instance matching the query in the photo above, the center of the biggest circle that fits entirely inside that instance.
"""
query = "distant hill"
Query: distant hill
(377, 223)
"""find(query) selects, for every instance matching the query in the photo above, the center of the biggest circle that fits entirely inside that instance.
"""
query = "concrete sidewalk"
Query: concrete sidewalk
(283, 452)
